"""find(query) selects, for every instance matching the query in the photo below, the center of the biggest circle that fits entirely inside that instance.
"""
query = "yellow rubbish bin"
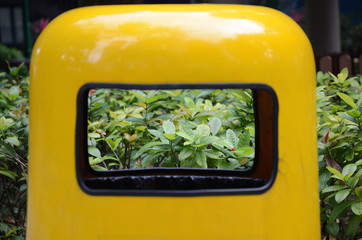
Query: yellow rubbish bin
(173, 49)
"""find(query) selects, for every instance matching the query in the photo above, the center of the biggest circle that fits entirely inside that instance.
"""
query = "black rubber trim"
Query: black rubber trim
(82, 153)
(172, 182)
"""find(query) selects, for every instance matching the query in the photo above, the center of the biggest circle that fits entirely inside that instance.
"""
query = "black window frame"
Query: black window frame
(84, 170)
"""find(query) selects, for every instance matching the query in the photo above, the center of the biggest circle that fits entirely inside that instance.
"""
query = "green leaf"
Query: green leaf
(186, 136)
(94, 151)
(134, 119)
(94, 135)
(230, 164)
(201, 159)
(354, 113)
(13, 141)
(10, 233)
(118, 115)
(147, 147)
(358, 192)
(244, 139)
(159, 135)
(206, 140)
(99, 168)
(205, 114)
(347, 99)
(147, 160)
(188, 130)
(323, 179)
(333, 188)
(251, 130)
(358, 148)
(213, 154)
(170, 136)
(357, 208)
(346, 178)
(242, 95)
(335, 79)
(337, 209)
(348, 169)
(341, 195)
(330, 196)
(93, 125)
(185, 153)
(336, 173)
(155, 98)
(204, 93)
(219, 145)
(215, 125)
(332, 228)
(5, 123)
(245, 151)
(359, 162)
(342, 76)
(203, 130)
(139, 94)
(226, 143)
(151, 93)
(9, 150)
(9, 174)
(348, 119)
(95, 161)
(353, 225)
(23, 187)
(359, 173)
(113, 144)
(169, 127)
(231, 136)
(13, 92)
(352, 182)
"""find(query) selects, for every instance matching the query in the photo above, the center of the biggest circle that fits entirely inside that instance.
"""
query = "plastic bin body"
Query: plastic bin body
(171, 44)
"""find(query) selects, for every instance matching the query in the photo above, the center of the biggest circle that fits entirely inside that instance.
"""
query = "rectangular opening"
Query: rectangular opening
(173, 128)
(176, 139)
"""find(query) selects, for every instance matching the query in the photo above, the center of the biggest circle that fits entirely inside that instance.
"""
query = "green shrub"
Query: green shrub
(14, 89)
(339, 106)
(170, 128)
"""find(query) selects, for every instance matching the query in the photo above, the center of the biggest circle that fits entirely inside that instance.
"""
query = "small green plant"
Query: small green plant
(170, 128)
(14, 88)
(339, 106)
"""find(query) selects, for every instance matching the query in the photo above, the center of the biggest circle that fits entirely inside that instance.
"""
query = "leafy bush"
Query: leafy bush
(14, 89)
(339, 106)
(170, 128)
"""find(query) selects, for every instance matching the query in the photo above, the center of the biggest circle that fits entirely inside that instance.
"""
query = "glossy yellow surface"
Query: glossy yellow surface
(171, 44)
